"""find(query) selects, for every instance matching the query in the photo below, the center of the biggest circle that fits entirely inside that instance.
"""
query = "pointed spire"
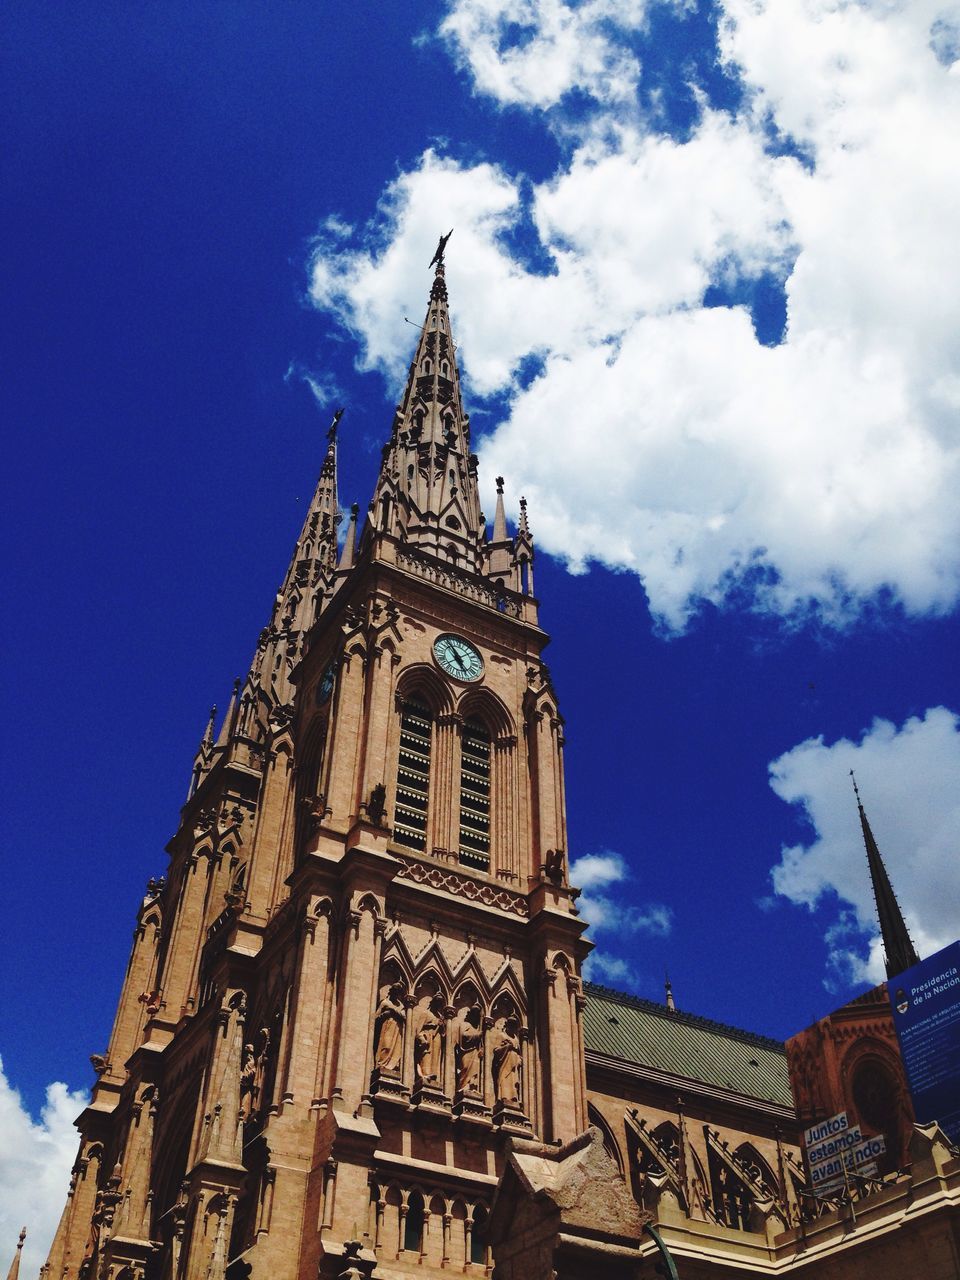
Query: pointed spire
(898, 949)
(668, 992)
(500, 517)
(524, 550)
(14, 1271)
(307, 585)
(207, 739)
(427, 495)
(226, 729)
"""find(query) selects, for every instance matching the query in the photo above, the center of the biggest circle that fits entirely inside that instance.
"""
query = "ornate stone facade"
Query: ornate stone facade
(355, 1000)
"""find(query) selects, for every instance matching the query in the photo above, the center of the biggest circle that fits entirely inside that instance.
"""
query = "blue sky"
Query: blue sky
(704, 281)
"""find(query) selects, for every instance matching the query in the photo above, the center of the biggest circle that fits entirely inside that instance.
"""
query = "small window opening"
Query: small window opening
(475, 796)
(413, 1226)
(413, 776)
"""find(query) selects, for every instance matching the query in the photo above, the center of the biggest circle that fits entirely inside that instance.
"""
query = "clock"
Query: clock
(325, 686)
(458, 658)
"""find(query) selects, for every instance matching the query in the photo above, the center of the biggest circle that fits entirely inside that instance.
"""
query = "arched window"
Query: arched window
(475, 796)
(478, 1236)
(413, 1224)
(413, 776)
(731, 1196)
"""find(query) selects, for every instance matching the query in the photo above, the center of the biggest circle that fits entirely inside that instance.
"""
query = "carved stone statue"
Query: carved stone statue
(553, 866)
(428, 1042)
(506, 1056)
(469, 1050)
(376, 805)
(391, 1016)
(441, 249)
(248, 1081)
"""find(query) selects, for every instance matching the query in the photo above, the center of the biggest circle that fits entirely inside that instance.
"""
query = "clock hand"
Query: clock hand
(458, 658)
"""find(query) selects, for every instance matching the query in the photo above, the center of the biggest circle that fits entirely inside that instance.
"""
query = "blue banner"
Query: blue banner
(926, 1014)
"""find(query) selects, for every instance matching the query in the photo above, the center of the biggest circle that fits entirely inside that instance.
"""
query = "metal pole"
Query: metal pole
(669, 1267)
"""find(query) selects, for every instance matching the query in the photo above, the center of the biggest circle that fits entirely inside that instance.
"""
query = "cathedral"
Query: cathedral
(353, 1039)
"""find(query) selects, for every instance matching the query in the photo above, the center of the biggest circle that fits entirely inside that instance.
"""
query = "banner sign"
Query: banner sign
(926, 1014)
(861, 1159)
(835, 1149)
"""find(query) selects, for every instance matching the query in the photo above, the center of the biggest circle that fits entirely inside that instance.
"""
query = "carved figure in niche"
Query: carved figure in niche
(469, 1050)
(506, 1057)
(391, 1016)
(428, 1041)
(248, 1081)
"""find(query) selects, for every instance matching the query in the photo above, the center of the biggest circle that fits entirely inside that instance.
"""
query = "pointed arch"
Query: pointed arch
(505, 1005)
(151, 919)
(482, 705)
(506, 980)
(469, 970)
(609, 1140)
(369, 903)
(396, 949)
(750, 1157)
(431, 981)
(421, 683)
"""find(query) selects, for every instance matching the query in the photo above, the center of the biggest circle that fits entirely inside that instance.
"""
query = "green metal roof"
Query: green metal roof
(682, 1044)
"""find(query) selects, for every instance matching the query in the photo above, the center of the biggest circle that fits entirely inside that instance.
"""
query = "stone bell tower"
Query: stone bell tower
(361, 973)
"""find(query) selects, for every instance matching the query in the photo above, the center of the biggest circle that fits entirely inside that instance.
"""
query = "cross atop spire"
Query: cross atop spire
(898, 949)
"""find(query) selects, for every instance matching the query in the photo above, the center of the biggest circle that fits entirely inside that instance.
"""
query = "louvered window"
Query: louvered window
(413, 776)
(475, 796)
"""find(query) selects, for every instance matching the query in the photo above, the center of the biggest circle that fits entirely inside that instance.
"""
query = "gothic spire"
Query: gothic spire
(315, 555)
(307, 585)
(14, 1271)
(426, 495)
(226, 729)
(899, 951)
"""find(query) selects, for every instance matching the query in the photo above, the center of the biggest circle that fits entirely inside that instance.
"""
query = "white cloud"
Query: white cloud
(35, 1162)
(611, 913)
(534, 52)
(597, 869)
(600, 966)
(909, 779)
(660, 436)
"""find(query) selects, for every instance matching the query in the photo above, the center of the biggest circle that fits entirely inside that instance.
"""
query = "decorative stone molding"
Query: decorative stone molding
(490, 895)
(463, 584)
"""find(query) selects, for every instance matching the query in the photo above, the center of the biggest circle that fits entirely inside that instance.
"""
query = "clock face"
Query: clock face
(458, 658)
(325, 687)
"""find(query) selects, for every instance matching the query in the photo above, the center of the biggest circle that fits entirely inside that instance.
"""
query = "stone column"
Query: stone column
(503, 797)
(138, 986)
(449, 1054)
(272, 845)
(562, 1082)
(357, 1006)
(179, 977)
(66, 1252)
(308, 1004)
(445, 788)
(341, 765)
(380, 692)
